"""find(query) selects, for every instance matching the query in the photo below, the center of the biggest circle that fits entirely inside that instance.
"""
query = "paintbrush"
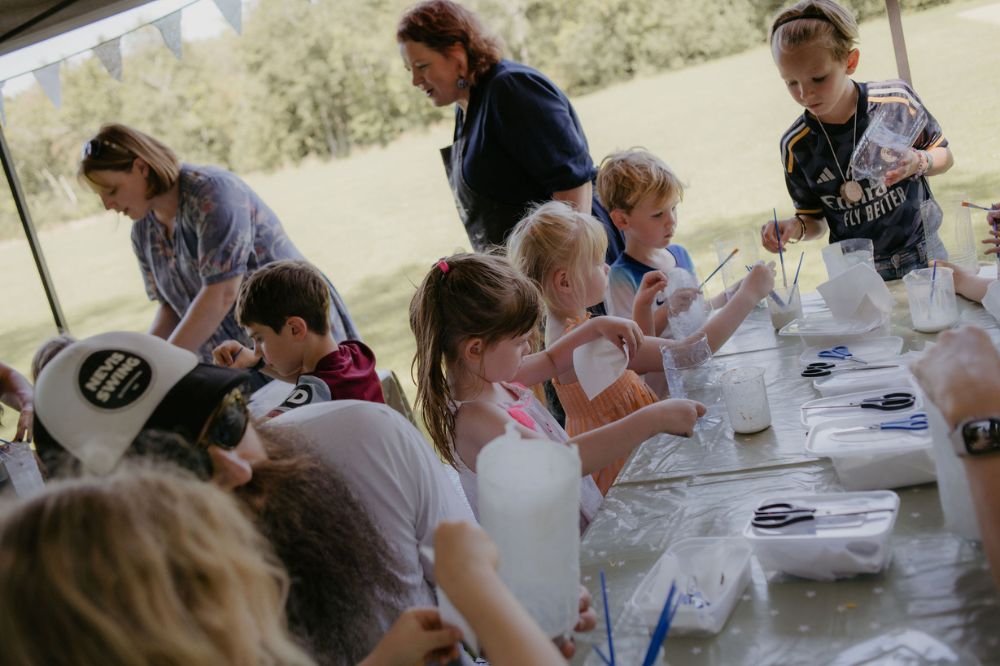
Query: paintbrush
(719, 267)
(781, 254)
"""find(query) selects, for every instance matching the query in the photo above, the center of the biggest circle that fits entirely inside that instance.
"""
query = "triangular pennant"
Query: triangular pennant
(170, 28)
(3, 114)
(110, 55)
(232, 11)
(48, 78)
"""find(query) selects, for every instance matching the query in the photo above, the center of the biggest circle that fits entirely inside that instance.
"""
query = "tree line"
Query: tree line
(317, 79)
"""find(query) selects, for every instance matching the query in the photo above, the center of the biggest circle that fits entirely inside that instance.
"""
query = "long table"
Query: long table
(675, 488)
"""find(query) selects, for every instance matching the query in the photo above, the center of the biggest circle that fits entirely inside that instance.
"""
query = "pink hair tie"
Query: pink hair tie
(443, 265)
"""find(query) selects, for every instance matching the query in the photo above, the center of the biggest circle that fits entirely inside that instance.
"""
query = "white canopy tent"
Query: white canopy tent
(27, 22)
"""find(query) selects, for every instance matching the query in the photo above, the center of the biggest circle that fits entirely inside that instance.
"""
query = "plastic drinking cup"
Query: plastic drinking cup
(931, 311)
(745, 394)
(840, 256)
(792, 310)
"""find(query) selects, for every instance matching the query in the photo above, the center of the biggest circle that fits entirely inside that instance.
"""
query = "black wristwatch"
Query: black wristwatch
(976, 437)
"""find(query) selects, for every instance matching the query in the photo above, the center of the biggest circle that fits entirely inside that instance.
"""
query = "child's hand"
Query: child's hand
(416, 638)
(681, 300)
(619, 330)
(790, 230)
(675, 416)
(231, 354)
(759, 281)
(652, 283)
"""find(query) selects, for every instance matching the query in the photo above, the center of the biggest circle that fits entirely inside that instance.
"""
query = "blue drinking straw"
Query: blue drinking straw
(607, 620)
(781, 255)
(662, 627)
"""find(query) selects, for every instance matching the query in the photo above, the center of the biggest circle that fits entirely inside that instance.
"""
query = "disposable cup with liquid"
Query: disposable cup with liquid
(841, 255)
(932, 299)
(745, 394)
(788, 310)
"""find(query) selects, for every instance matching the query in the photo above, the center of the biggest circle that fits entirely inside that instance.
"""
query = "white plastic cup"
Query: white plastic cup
(931, 311)
(746, 400)
(789, 311)
(840, 256)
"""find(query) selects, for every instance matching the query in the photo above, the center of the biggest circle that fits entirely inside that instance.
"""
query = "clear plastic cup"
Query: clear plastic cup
(748, 243)
(840, 256)
(691, 374)
(788, 310)
(746, 399)
(931, 309)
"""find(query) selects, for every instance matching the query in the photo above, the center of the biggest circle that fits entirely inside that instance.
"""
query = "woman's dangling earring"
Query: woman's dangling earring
(462, 83)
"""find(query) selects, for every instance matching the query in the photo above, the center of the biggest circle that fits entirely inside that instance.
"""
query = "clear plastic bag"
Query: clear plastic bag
(891, 132)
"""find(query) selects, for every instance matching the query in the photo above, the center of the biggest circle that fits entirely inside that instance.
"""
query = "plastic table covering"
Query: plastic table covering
(675, 488)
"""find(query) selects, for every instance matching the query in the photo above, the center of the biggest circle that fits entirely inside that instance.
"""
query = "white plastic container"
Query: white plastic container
(529, 503)
(855, 381)
(718, 569)
(871, 350)
(816, 412)
(823, 329)
(876, 459)
(832, 547)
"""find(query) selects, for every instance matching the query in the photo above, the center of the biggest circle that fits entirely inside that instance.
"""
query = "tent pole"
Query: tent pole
(898, 41)
(29, 233)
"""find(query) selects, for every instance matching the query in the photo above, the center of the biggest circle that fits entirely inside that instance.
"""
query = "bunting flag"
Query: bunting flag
(232, 11)
(48, 78)
(170, 28)
(110, 55)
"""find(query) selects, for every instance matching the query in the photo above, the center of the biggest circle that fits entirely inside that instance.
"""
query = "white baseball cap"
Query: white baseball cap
(95, 396)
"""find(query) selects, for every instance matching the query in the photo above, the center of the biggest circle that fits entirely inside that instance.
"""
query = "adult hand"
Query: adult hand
(790, 230)
(619, 330)
(23, 432)
(416, 638)
(993, 216)
(905, 168)
(231, 354)
(993, 235)
(961, 375)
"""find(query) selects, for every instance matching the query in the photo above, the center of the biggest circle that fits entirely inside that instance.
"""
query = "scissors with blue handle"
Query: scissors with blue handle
(823, 369)
(842, 353)
(783, 514)
(890, 402)
(915, 421)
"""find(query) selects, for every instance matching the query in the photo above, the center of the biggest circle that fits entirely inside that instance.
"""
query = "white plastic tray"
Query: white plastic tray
(873, 350)
(877, 459)
(833, 547)
(822, 329)
(840, 383)
(814, 417)
(720, 569)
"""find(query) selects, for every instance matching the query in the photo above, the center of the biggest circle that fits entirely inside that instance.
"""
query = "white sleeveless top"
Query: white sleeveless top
(525, 408)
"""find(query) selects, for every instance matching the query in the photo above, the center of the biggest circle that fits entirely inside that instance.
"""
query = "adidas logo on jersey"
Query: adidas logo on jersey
(826, 176)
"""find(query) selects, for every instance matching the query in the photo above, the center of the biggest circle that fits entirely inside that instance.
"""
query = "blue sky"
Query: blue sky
(199, 20)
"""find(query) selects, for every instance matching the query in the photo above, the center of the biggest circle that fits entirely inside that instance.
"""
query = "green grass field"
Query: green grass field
(375, 222)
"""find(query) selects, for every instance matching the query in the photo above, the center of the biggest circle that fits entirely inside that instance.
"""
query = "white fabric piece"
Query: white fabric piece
(170, 29)
(48, 78)
(110, 55)
(598, 364)
(232, 11)
(394, 472)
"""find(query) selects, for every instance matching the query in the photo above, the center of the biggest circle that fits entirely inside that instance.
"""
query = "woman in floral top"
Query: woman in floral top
(198, 231)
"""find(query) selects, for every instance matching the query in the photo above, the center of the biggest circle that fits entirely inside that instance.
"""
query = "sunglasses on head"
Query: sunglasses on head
(227, 424)
(97, 148)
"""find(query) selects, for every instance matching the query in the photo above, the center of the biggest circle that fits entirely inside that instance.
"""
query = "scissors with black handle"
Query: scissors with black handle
(782, 514)
(824, 369)
(890, 402)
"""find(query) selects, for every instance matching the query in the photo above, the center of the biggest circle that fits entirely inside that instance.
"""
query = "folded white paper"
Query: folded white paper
(598, 365)
(858, 293)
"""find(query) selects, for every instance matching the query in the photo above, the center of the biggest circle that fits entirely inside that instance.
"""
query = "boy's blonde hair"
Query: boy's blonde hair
(554, 236)
(629, 176)
(822, 21)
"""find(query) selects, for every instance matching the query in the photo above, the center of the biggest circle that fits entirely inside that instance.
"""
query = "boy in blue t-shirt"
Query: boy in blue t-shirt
(641, 194)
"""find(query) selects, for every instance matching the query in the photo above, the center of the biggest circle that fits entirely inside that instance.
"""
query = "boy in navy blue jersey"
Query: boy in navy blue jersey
(813, 44)
(285, 308)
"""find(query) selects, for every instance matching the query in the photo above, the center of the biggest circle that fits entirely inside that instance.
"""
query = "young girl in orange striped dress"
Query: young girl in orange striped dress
(562, 251)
